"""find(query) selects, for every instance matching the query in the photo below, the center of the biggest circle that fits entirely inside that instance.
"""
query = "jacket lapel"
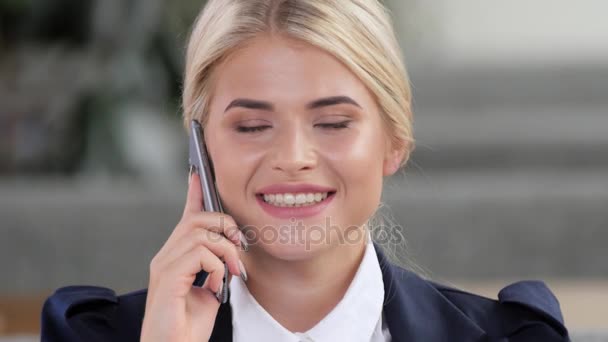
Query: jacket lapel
(416, 311)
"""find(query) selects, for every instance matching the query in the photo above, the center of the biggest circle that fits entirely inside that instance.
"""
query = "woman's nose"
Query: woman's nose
(294, 152)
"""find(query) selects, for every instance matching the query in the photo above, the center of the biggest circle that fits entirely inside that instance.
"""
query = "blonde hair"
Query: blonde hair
(359, 33)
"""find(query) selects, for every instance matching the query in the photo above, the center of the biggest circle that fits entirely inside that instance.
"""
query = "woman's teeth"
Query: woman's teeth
(295, 200)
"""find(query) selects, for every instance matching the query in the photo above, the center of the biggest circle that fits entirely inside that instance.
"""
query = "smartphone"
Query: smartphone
(201, 163)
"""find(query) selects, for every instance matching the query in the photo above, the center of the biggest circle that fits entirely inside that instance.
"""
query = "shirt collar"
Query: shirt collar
(355, 317)
(415, 309)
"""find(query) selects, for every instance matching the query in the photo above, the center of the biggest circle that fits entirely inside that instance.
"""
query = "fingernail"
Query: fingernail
(190, 175)
(243, 272)
(219, 294)
(244, 243)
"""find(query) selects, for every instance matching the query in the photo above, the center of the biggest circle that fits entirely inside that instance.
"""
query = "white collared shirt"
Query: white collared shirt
(357, 317)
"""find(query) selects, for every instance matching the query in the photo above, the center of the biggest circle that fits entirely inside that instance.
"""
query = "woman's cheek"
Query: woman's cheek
(236, 164)
(353, 149)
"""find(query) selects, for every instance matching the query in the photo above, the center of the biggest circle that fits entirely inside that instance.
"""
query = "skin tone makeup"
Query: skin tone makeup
(300, 153)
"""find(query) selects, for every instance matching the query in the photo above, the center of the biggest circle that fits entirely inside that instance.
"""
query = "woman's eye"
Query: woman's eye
(251, 129)
(254, 129)
(335, 125)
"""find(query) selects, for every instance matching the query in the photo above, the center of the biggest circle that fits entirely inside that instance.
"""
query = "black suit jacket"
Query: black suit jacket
(416, 309)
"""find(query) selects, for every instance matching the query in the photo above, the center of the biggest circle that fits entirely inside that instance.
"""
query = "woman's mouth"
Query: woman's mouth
(294, 200)
(286, 205)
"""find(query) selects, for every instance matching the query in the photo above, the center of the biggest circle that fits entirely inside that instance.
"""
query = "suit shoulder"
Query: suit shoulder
(524, 310)
(78, 313)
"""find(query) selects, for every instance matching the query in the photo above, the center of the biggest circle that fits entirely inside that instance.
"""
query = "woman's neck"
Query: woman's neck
(298, 294)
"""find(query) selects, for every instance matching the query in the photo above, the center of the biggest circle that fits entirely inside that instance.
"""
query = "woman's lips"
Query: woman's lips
(296, 212)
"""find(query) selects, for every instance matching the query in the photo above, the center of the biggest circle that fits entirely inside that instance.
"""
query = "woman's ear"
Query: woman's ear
(393, 159)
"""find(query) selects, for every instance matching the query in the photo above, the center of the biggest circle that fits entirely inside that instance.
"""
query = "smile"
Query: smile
(294, 200)
(298, 205)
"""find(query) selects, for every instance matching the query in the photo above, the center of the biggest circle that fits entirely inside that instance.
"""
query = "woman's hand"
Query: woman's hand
(176, 310)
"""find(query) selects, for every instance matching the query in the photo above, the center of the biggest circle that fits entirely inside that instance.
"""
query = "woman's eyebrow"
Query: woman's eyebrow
(330, 101)
(264, 105)
(251, 104)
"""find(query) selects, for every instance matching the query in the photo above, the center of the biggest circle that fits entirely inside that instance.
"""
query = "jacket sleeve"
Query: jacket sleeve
(541, 318)
(78, 313)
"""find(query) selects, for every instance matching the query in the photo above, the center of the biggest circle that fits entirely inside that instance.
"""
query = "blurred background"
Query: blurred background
(509, 179)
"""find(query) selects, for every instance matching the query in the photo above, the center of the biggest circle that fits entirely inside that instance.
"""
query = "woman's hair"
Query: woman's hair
(359, 33)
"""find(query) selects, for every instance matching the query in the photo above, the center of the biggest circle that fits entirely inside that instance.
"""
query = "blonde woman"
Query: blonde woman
(306, 108)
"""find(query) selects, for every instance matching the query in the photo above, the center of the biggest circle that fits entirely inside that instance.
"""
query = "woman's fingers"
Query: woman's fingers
(216, 222)
(215, 242)
(199, 242)
(197, 259)
(194, 197)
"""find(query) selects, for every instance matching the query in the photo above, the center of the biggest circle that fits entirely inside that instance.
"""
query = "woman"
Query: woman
(306, 108)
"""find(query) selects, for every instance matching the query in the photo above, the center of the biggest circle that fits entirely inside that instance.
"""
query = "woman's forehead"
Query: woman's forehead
(278, 68)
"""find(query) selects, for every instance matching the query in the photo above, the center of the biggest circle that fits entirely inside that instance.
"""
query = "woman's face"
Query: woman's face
(289, 118)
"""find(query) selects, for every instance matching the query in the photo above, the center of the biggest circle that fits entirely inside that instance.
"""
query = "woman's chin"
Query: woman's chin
(291, 250)
(294, 240)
